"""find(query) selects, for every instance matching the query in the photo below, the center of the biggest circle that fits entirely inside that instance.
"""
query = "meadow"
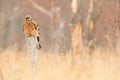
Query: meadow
(101, 65)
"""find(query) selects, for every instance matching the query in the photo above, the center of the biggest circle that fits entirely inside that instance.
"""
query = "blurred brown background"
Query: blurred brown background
(53, 17)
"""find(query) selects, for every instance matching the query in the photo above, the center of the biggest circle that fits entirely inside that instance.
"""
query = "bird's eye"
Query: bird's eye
(27, 18)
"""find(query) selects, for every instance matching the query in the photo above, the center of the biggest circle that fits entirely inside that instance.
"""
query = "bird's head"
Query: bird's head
(28, 18)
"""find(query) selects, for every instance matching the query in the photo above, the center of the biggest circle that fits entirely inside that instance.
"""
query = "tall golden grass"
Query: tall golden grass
(101, 65)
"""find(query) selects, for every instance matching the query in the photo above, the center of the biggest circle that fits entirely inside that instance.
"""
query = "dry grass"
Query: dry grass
(100, 65)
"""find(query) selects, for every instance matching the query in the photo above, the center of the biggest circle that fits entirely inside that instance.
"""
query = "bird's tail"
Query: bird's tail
(38, 41)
